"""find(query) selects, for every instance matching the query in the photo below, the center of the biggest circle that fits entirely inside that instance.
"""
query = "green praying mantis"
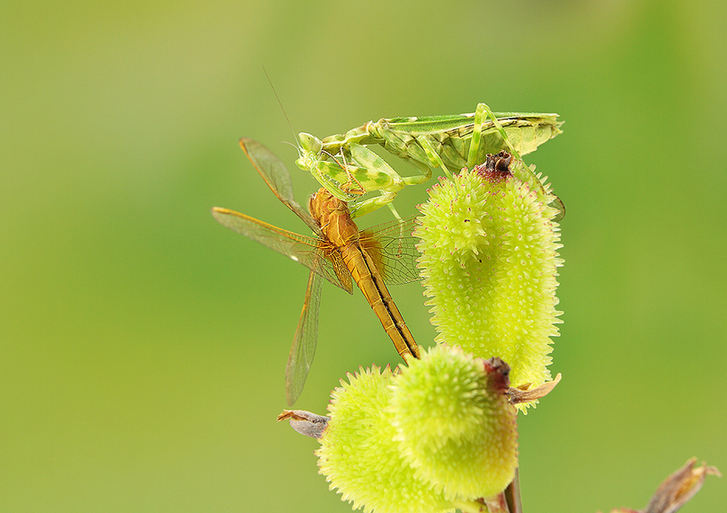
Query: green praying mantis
(346, 166)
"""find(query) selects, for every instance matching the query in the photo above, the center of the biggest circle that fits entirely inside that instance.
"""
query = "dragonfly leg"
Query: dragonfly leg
(349, 186)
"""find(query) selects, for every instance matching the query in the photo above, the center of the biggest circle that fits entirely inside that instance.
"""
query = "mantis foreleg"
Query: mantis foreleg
(327, 174)
(371, 204)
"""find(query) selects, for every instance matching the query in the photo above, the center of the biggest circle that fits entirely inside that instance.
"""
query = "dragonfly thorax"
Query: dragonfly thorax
(333, 216)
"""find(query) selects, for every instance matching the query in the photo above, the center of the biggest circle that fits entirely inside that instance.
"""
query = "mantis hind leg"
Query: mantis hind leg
(427, 144)
(395, 213)
(418, 179)
(524, 172)
(418, 150)
(482, 113)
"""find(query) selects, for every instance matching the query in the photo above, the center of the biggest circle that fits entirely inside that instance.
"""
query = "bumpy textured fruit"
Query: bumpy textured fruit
(359, 454)
(489, 246)
(455, 424)
(438, 434)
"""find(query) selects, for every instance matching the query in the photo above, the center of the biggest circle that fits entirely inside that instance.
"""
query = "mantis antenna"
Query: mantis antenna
(280, 104)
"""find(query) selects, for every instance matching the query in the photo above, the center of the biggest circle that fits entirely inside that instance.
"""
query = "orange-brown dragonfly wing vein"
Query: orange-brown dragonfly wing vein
(393, 248)
(309, 251)
(274, 173)
(303, 348)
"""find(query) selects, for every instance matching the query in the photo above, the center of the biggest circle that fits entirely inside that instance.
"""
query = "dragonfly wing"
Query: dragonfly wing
(393, 248)
(302, 249)
(303, 349)
(276, 176)
(342, 272)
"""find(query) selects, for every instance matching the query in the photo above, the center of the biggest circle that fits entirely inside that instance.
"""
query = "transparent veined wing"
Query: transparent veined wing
(303, 348)
(393, 248)
(276, 176)
(300, 248)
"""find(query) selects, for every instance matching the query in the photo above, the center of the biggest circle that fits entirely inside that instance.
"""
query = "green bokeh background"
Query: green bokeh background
(143, 345)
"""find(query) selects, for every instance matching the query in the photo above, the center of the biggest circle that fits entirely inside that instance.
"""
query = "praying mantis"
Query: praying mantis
(346, 166)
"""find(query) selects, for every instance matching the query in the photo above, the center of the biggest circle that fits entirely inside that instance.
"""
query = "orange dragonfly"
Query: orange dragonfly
(338, 253)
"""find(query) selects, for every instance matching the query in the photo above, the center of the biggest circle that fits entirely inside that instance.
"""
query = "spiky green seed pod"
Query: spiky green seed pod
(455, 424)
(489, 259)
(361, 458)
(443, 395)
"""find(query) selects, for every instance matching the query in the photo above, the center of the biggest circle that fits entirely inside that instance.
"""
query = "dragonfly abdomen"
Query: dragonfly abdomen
(369, 280)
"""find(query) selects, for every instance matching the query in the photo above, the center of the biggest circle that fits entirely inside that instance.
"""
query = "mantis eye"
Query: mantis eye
(310, 143)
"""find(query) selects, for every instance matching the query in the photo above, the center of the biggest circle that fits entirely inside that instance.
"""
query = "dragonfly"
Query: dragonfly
(338, 252)
(347, 167)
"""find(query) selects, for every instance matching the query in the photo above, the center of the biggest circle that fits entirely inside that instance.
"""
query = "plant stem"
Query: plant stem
(512, 494)
(497, 503)
(471, 507)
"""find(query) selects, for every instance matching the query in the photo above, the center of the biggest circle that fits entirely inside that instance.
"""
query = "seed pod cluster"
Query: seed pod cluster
(438, 433)
(455, 424)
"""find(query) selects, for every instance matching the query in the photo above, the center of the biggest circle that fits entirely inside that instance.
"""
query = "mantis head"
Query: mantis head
(309, 148)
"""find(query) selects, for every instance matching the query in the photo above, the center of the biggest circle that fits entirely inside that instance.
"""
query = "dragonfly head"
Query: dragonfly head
(309, 148)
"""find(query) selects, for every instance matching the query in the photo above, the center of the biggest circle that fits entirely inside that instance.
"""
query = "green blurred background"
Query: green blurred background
(143, 345)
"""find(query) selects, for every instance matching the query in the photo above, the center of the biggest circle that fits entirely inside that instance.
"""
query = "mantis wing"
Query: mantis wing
(302, 249)
(303, 348)
(276, 176)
